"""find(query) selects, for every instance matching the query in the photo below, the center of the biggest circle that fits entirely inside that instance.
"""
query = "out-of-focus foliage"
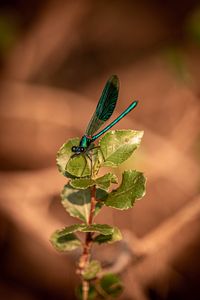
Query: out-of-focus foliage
(8, 32)
(193, 25)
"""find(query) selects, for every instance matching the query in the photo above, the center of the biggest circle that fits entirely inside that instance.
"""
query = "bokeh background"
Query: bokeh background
(55, 57)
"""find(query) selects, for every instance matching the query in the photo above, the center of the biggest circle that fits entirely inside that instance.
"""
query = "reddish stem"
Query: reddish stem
(85, 257)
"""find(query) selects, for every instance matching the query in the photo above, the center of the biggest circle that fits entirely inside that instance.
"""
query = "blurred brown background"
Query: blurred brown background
(55, 56)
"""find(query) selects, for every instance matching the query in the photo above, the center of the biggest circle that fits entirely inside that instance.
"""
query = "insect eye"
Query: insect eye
(82, 149)
(74, 149)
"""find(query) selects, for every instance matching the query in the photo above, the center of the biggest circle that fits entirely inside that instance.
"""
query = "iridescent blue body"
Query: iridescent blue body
(103, 112)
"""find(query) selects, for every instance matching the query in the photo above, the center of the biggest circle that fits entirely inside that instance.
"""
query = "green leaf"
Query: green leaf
(114, 237)
(69, 229)
(91, 270)
(109, 285)
(82, 183)
(77, 202)
(131, 189)
(101, 195)
(77, 166)
(91, 293)
(64, 242)
(105, 181)
(65, 239)
(117, 146)
(64, 154)
(98, 228)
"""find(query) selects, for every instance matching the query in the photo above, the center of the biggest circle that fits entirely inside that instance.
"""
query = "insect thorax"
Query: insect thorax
(85, 142)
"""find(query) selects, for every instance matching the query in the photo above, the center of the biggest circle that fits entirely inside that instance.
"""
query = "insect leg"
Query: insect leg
(99, 148)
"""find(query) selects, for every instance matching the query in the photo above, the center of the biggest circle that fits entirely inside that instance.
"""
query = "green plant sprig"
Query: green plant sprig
(85, 195)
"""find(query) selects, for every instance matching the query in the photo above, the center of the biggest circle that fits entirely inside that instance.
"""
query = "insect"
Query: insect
(103, 112)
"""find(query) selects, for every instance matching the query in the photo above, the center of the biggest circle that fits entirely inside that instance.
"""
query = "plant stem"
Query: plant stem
(85, 257)
(85, 289)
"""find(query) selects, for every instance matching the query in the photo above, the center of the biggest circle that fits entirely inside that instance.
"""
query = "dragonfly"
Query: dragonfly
(103, 112)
